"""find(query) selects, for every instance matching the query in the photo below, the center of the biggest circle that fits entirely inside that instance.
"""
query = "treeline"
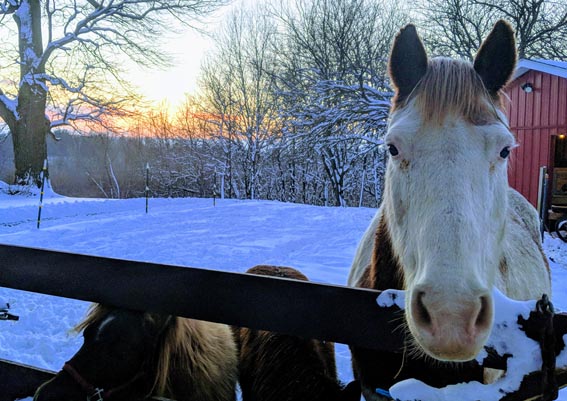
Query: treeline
(112, 166)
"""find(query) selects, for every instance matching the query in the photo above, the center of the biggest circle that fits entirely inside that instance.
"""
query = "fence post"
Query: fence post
(215, 189)
(43, 175)
(147, 191)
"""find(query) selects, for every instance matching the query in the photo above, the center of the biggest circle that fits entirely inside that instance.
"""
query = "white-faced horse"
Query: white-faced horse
(449, 228)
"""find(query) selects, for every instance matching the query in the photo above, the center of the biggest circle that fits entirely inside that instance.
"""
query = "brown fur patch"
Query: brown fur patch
(452, 88)
(503, 267)
(384, 271)
(277, 271)
(278, 367)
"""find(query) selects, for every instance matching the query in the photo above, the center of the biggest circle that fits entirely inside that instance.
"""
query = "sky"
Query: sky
(171, 84)
(188, 50)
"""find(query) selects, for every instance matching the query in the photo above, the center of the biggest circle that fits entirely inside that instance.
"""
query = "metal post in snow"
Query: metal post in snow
(43, 175)
(147, 185)
(215, 189)
(362, 185)
(544, 210)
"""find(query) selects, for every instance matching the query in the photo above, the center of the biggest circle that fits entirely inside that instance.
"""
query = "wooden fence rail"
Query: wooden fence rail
(265, 303)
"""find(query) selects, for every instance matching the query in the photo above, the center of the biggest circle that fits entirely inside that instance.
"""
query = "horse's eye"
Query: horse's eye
(393, 150)
(504, 153)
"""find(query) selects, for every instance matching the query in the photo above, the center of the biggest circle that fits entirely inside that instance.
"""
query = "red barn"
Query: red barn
(538, 117)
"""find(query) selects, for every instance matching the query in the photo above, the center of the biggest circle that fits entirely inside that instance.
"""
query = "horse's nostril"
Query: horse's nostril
(484, 316)
(421, 313)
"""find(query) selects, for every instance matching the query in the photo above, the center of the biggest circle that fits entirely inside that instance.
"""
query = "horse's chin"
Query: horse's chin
(447, 355)
(456, 351)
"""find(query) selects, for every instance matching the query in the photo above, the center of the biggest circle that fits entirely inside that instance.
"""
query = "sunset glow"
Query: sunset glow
(169, 86)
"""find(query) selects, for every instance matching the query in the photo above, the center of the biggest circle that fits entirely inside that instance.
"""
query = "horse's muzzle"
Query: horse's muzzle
(450, 329)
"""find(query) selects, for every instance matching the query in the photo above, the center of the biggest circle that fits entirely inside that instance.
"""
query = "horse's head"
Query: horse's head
(118, 346)
(445, 197)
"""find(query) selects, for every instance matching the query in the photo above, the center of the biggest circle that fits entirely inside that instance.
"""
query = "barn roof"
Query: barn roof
(552, 67)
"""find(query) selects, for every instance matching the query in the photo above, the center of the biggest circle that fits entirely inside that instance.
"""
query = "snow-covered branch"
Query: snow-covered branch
(8, 6)
(83, 108)
(337, 112)
(8, 107)
(56, 81)
(126, 23)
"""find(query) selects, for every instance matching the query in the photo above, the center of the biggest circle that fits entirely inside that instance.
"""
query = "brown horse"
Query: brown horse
(279, 367)
(129, 355)
(449, 229)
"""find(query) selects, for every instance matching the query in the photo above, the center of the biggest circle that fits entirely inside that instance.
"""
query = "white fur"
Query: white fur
(452, 219)
(103, 324)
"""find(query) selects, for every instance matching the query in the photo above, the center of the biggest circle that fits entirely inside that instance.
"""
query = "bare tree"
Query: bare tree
(220, 115)
(238, 84)
(332, 80)
(456, 27)
(74, 72)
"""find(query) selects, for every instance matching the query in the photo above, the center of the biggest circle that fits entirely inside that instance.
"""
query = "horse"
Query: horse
(132, 355)
(280, 367)
(449, 228)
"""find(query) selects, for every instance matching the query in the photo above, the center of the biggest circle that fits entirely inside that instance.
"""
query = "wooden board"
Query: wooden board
(20, 381)
(327, 312)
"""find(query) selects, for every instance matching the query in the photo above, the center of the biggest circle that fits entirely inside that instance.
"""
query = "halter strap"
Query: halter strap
(85, 385)
(383, 393)
(91, 390)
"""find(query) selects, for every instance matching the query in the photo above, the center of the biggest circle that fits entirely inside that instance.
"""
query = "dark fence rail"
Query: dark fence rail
(287, 306)
(20, 381)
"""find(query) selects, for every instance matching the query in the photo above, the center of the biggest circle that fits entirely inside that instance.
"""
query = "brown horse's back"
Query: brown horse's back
(278, 367)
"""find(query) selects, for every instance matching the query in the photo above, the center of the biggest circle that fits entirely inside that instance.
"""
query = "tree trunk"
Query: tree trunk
(29, 138)
(31, 126)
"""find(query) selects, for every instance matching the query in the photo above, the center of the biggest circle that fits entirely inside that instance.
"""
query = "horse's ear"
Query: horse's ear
(408, 62)
(156, 324)
(496, 58)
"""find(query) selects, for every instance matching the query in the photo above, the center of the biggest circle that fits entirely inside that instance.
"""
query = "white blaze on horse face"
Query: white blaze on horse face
(445, 205)
(103, 324)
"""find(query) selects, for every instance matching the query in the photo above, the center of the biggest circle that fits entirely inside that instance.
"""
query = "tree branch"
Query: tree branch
(8, 7)
(8, 106)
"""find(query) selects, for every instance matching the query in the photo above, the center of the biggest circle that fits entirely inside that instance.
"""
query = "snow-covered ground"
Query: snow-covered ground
(232, 236)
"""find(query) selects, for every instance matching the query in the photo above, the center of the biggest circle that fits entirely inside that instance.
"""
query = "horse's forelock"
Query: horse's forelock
(452, 88)
(96, 313)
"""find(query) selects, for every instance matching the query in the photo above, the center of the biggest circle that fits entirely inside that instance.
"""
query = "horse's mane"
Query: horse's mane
(182, 342)
(452, 88)
(182, 345)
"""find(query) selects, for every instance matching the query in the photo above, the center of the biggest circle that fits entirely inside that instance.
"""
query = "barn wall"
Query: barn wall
(534, 118)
